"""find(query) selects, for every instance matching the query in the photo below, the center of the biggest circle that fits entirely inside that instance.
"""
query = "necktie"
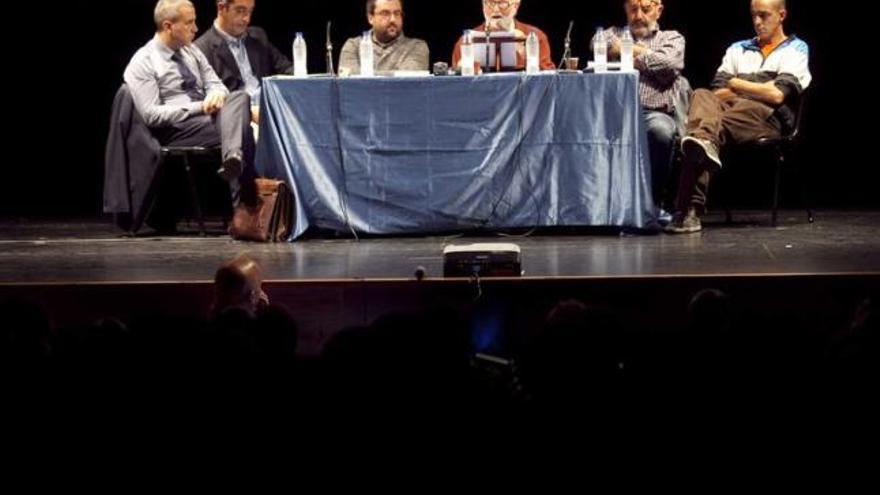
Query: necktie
(190, 83)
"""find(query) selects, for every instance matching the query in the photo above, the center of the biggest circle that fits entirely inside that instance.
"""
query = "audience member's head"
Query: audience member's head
(276, 332)
(239, 284)
(578, 352)
(710, 311)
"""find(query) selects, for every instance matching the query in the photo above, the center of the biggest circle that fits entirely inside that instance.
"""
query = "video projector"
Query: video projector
(482, 260)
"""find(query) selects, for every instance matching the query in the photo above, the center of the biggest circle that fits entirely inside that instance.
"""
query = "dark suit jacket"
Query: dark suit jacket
(265, 59)
(131, 161)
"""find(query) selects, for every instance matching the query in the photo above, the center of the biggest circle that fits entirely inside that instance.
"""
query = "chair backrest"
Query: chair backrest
(799, 115)
(681, 104)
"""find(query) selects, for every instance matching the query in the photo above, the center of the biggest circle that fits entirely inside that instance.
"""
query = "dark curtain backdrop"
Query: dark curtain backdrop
(62, 86)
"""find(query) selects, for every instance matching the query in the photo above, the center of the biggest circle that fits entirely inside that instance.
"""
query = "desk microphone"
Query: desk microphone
(330, 70)
(566, 53)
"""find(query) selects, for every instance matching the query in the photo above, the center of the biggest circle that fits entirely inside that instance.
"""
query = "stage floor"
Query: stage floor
(93, 251)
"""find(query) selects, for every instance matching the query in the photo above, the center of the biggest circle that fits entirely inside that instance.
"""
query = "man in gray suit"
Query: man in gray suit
(184, 103)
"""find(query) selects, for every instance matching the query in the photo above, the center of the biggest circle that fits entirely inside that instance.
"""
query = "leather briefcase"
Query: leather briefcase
(270, 219)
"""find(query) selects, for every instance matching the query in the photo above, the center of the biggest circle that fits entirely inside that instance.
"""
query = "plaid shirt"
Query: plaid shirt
(660, 69)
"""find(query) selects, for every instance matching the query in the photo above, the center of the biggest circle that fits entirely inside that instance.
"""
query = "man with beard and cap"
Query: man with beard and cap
(500, 16)
(658, 55)
(753, 96)
(392, 50)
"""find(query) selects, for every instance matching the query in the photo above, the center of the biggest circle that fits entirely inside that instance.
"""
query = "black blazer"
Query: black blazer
(265, 59)
(131, 163)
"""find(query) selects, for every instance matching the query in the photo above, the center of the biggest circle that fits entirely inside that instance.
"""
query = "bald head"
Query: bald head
(238, 283)
(767, 19)
(776, 5)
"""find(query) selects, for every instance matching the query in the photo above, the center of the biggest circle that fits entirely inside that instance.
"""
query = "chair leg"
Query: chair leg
(806, 199)
(194, 195)
(720, 185)
(780, 162)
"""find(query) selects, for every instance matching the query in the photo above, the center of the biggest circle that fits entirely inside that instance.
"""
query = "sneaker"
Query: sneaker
(702, 150)
(231, 167)
(685, 223)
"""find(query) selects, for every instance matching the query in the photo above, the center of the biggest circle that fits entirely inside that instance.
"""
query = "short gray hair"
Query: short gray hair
(169, 10)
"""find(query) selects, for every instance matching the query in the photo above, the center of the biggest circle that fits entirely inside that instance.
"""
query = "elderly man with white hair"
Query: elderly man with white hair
(500, 15)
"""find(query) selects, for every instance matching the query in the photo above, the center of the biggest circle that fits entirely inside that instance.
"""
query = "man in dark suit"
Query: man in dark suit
(241, 54)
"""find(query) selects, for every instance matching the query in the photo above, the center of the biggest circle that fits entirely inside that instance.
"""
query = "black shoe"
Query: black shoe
(684, 223)
(232, 167)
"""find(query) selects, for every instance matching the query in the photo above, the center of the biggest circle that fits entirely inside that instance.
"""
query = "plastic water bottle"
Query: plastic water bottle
(467, 54)
(299, 56)
(366, 54)
(626, 50)
(600, 51)
(532, 54)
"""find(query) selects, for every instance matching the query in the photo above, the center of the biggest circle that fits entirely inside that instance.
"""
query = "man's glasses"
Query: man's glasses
(241, 10)
(646, 6)
(500, 5)
(387, 14)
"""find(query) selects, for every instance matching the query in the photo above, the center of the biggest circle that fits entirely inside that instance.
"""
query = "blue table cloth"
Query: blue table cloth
(415, 155)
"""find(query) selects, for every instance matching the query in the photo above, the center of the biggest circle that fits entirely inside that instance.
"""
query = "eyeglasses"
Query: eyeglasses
(241, 10)
(387, 14)
(646, 6)
(499, 4)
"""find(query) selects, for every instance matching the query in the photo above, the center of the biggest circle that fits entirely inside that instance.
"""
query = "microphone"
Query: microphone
(486, 29)
(566, 53)
(330, 70)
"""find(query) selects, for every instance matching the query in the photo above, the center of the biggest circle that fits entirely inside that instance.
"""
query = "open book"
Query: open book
(499, 54)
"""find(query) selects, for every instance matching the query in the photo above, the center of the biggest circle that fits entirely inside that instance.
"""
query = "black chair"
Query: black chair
(135, 165)
(780, 150)
(185, 153)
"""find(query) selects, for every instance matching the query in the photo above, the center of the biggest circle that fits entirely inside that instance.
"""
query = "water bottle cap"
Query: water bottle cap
(299, 34)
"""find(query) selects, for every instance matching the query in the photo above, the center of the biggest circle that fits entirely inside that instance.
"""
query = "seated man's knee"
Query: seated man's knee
(662, 129)
(237, 95)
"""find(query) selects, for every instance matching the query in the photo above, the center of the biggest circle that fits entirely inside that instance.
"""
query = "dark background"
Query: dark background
(59, 120)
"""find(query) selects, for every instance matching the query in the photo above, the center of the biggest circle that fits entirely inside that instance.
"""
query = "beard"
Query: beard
(642, 30)
(500, 23)
(391, 32)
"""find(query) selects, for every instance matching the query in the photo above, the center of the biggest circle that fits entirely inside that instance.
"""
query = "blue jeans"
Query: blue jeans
(661, 139)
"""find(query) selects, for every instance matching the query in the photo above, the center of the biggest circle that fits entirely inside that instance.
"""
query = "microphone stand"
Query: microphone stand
(329, 47)
(486, 30)
(566, 54)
